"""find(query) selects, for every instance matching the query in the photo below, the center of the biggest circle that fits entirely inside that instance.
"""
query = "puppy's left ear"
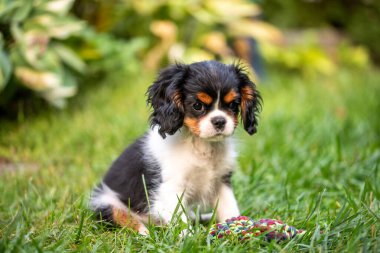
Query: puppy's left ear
(165, 97)
(250, 100)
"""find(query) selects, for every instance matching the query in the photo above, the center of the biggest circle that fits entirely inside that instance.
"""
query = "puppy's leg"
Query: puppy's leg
(106, 204)
(227, 206)
(165, 205)
(123, 218)
(126, 218)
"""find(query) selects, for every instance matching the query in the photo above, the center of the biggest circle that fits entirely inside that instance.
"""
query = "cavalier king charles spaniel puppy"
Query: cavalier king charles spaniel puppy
(188, 154)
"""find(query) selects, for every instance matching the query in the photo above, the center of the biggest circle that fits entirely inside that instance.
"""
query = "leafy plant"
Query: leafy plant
(179, 30)
(304, 53)
(44, 47)
(34, 46)
(5, 65)
(354, 18)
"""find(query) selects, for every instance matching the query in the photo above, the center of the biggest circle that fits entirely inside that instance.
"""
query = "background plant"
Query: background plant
(309, 53)
(179, 30)
(35, 52)
(46, 49)
(356, 19)
(49, 47)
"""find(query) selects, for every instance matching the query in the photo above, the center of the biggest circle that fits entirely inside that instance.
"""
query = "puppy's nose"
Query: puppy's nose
(218, 122)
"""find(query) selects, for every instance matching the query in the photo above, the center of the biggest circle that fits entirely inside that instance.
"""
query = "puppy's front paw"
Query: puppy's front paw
(184, 233)
(143, 231)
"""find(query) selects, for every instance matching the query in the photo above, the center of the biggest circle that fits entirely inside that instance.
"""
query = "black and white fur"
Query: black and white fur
(188, 150)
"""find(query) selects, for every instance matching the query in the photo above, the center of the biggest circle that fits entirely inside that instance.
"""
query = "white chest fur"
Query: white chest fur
(191, 166)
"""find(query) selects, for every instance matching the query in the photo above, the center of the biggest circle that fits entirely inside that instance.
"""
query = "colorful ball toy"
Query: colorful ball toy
(244, 228)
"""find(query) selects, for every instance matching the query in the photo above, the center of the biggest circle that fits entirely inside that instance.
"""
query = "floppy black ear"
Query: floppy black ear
(250, 100)
(165, 97)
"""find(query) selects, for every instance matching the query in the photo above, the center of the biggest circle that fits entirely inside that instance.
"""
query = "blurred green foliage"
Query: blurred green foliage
(178, 30)
(359, 19)
(34, 48)
(50, 46)
(45, 48)
(312, 52)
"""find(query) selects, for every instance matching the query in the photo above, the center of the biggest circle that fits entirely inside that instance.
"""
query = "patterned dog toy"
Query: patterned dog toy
(243, 228)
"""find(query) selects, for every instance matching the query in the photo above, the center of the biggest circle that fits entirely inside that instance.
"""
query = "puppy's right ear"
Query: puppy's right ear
(165, 96)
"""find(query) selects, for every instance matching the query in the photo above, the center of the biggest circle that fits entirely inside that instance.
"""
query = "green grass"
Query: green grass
(314, 164)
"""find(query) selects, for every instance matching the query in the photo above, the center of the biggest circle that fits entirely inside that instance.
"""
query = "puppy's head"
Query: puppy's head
(206, 97)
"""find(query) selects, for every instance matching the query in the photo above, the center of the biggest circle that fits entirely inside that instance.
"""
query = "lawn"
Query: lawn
(314, 163)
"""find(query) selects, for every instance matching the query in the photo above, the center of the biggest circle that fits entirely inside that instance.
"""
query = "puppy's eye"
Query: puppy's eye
(198, 106)
(233, 105)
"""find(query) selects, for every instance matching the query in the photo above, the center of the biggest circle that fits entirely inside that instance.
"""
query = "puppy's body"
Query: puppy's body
(191, 166)
(188, 152)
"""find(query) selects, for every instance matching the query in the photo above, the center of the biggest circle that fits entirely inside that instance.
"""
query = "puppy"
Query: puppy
(188, 153)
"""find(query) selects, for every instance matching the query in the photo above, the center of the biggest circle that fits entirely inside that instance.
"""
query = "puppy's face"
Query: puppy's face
(211, 113)
(206, 97)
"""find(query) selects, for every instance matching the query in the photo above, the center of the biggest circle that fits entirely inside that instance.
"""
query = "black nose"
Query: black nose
(219, 122)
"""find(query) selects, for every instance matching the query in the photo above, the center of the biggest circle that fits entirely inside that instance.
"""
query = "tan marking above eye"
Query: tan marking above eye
(230, 96)
(204, 98)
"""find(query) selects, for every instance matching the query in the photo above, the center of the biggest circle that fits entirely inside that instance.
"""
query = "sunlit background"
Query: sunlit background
(47, 47)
